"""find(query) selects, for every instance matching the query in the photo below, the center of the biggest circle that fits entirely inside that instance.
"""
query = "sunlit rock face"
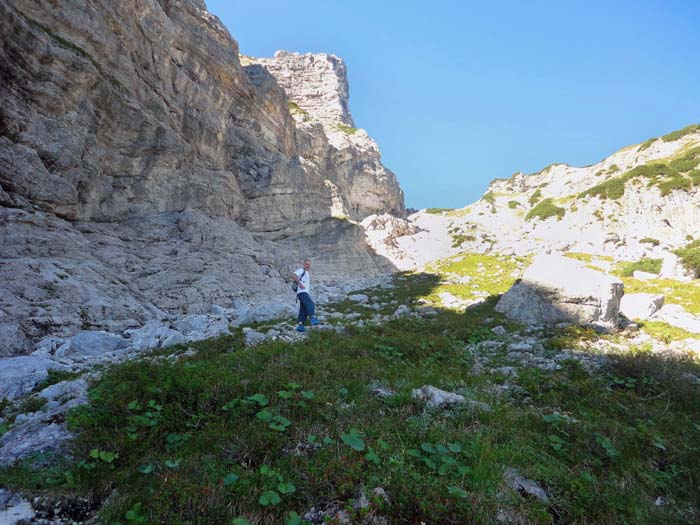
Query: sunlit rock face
(145, 171)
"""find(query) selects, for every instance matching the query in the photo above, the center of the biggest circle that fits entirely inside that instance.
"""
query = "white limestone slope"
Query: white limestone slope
(614, 226)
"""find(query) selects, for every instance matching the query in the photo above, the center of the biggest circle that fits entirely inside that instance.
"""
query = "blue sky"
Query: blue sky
(457, 93)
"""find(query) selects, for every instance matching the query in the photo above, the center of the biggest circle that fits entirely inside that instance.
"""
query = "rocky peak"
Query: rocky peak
(316, 82)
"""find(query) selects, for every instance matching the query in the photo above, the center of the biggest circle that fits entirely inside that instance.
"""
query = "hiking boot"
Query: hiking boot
(315, 322)
(300, 328)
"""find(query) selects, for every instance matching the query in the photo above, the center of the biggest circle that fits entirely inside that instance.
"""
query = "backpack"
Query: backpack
(295, 285)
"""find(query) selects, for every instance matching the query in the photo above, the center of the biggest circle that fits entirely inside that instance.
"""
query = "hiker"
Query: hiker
(302, 286)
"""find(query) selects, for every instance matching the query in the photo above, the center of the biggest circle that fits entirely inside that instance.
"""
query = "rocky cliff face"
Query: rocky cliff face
(145, 171)
(641, 201)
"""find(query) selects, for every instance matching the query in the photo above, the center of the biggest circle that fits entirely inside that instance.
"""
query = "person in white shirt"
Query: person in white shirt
(302, 277)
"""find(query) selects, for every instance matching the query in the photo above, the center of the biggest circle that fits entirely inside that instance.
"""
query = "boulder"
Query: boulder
(272, 310)
(556, 288)
(13, 340)
(153, 334)
(641, 305)
(19, 375)
(671, 268)
(675, 315)
(436, 398)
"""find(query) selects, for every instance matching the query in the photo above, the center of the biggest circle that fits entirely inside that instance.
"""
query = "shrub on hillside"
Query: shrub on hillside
(489, 197)
(535, 197)
(545, 210)
(690, 256)
(642, 265)
(646, 144)
(513, 204)
(650, 240)
(676, 183)
(675, 135)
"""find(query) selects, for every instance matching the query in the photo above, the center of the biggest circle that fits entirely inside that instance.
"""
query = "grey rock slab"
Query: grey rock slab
(522, 485)
(558, 289)
(152, 335)
(436, 398)
(641, 305)
(271, 311)
(88, 345)
(19, 375)
(358, 298)
(677, 316)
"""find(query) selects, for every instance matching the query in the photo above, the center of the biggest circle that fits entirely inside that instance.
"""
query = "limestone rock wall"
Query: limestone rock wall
(145, 171)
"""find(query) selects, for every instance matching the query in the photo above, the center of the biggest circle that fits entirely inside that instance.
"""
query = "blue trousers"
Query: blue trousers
(306, 307)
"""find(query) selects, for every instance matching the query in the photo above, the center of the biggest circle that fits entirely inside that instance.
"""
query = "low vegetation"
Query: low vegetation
(489, 197)
(294, 109)
(690, 256)
(348, 130)
(675, 135)
(438, 211)
(643, 265)
(513, 204)
(650, 240)
(646, 144)
(544, 210)
(236, 435)
(535, 197)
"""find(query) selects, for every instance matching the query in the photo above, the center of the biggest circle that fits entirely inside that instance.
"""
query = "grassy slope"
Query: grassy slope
(193, 443)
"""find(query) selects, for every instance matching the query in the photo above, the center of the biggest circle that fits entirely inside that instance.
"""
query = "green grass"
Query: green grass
(646, 144)
(294, 109)
(438, 211)
(675, 135)
(659, 174)
(535, 197)
(348, 130)
(643, 265)
(614, 168)
(686, 294)
(489, 197)
(545, 209)
(513, 204)
(650, 240)
(211, 437)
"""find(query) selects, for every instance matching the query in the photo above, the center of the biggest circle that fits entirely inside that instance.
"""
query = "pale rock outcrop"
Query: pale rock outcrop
(19, 375)
(641, 305)
(558, 289)
(677, 316)
(146, 172)
(436, 398)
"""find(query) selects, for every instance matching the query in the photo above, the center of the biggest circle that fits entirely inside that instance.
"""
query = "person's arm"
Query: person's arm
(296, 279)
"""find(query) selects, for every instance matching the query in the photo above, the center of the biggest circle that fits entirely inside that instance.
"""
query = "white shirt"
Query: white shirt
(306, 281)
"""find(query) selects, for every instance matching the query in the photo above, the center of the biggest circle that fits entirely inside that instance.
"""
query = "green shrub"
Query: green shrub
(690, 256)
(687, 162)
(437, 211)
(676, 183)
(459, 239)
(348, 130)
(675, 135)
(615, 188)
(695, 177)
(643, 265)
(544, 210)
(650, 240)
(513, 204)
(646, 144)
(535, 197)
(294, 109)
(489, 197)
(613, 169)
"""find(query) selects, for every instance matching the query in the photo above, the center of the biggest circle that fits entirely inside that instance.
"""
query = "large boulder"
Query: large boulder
(88, 345)
(559, 289)
(19, 375)
(641, 305)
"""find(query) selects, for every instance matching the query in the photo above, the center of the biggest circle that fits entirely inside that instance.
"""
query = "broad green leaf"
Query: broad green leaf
(286, 488)
(372, 457)
(147, 469)
(172, 463)
(292, 518)
(285, 394)
(308, 394)
(428, 447)
(269, 497)
(456, 491)
(260, 399)
(442, 449)
(264, 414)
(353, 440)
(230, 479)
(240, 521)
